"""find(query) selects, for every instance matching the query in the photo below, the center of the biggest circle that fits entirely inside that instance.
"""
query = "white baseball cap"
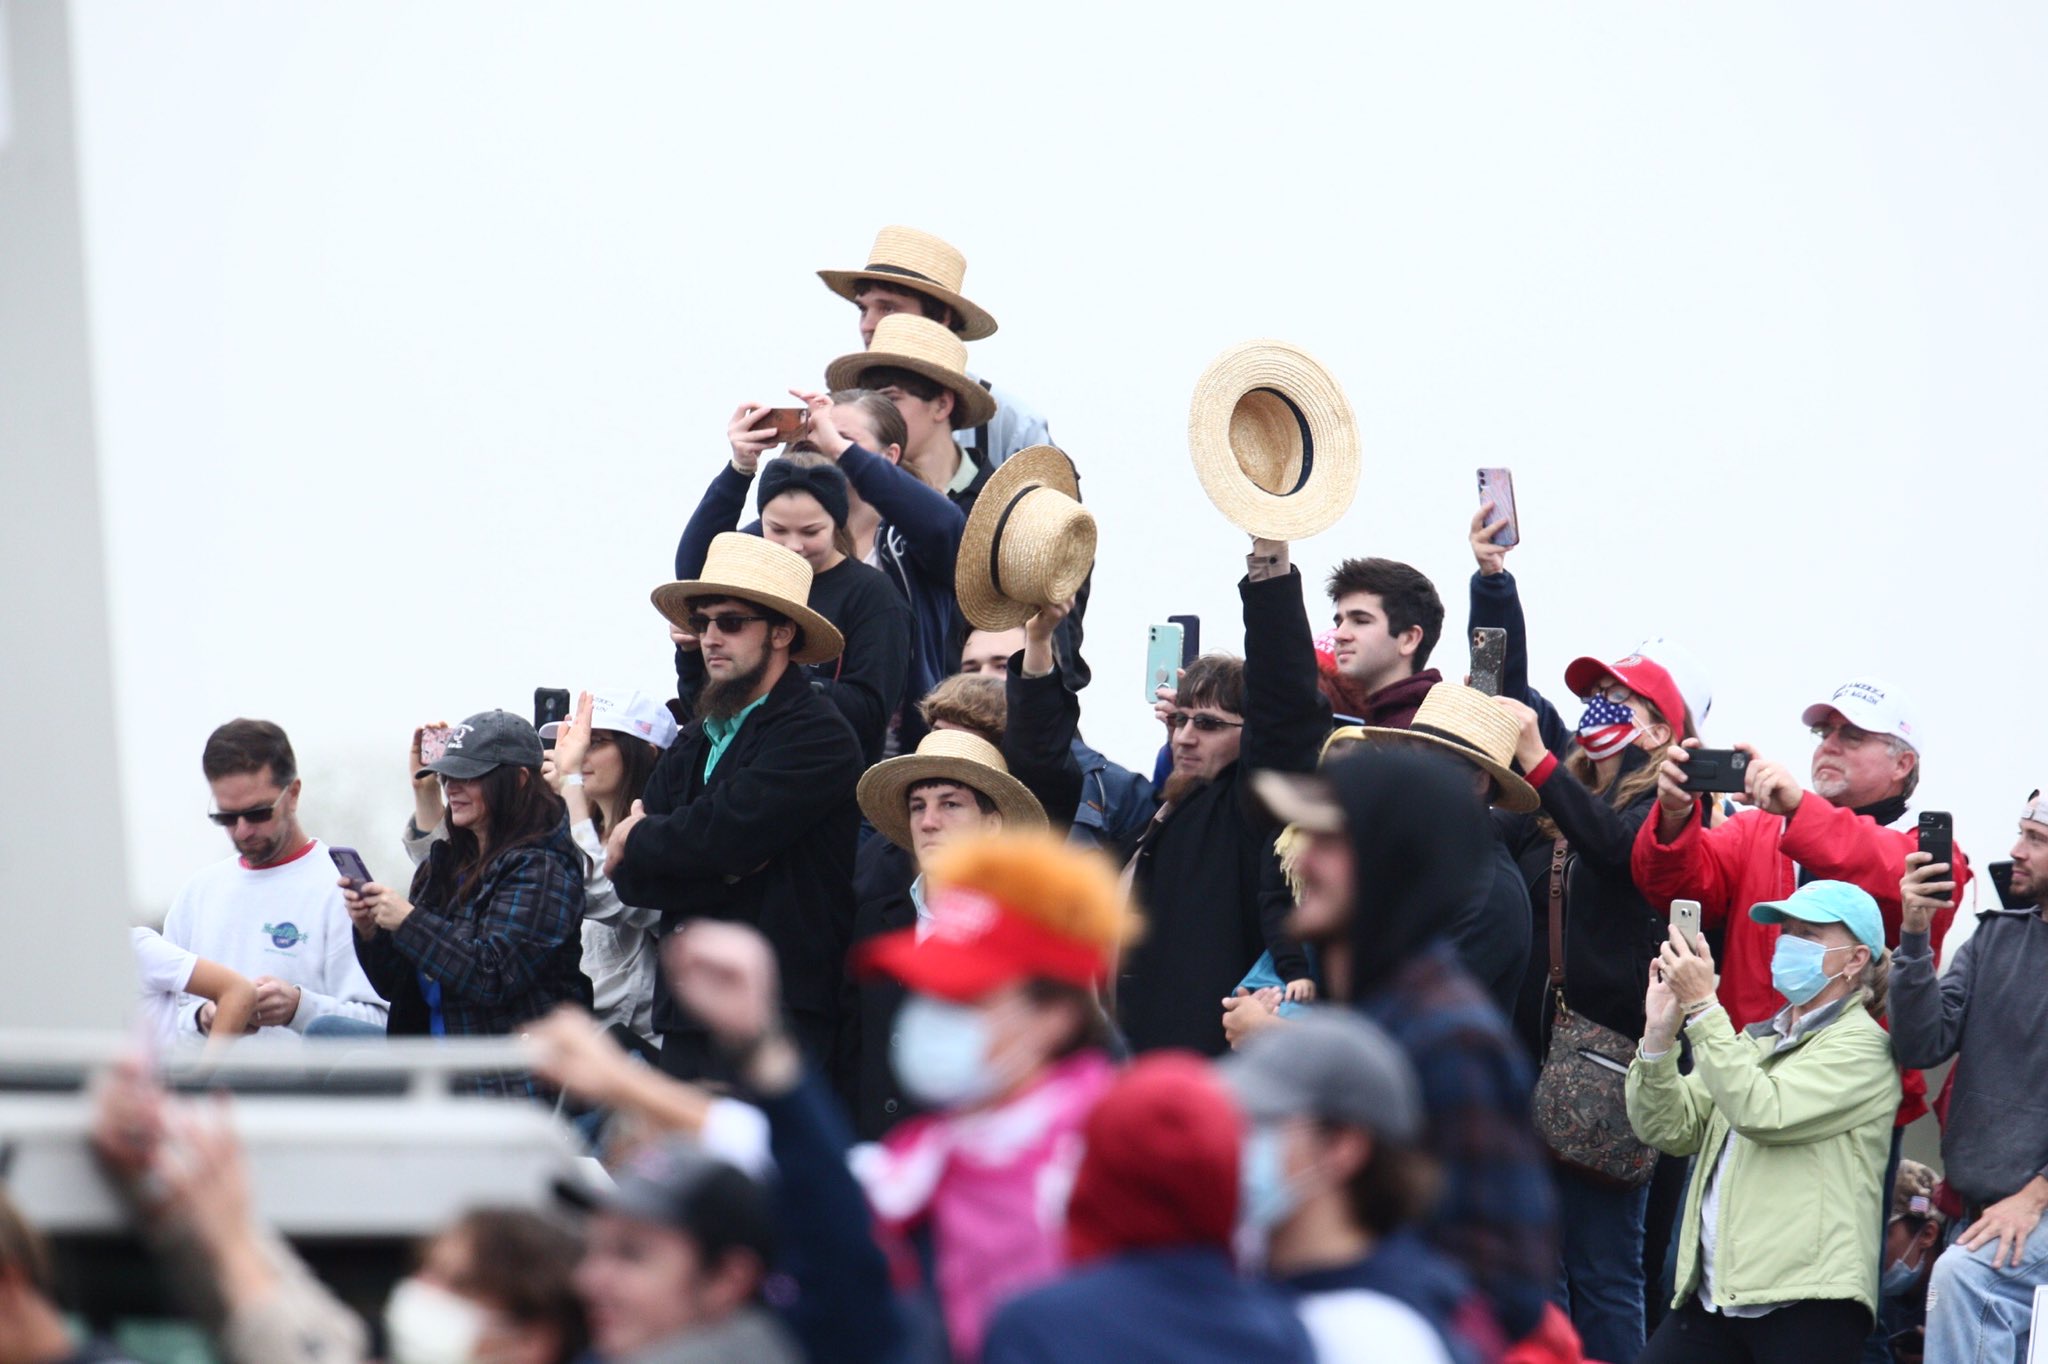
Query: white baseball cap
(1686, 671)
(625, 712)
(1868, 704)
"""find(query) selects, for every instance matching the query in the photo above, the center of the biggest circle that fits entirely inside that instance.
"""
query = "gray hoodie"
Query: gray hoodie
(749, 1336)
(1990, 1011)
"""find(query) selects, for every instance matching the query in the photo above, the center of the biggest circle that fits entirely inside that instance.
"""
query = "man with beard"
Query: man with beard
(1391, 838)
(1198, 866)
(751, 815)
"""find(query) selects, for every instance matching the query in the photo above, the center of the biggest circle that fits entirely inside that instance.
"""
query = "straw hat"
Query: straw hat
(1273, 440)
(945, 755)
(921, 346)
(1468, 723)
(752, 569)
(1029, 542)
(906, 258)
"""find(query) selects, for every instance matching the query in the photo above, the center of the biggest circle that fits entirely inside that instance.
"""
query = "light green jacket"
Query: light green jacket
(1803, 1194)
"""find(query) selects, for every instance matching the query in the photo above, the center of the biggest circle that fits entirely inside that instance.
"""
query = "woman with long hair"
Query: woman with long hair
(489, 934)
(1598, 783)
(604, 754)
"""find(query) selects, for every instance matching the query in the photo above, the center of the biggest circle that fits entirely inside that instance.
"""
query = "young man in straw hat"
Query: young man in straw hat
(1199, 866)
(913, 273)
(751, 813)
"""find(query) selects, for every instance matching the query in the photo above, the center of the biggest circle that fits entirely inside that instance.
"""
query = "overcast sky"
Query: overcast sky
(416, 327)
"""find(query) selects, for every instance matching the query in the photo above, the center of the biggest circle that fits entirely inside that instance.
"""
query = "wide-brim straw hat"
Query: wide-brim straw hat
(1029, 542)
(906, 258)
(1273, 440)
(748, 568)
(923, 347)
(945, 755)
(1468, 723)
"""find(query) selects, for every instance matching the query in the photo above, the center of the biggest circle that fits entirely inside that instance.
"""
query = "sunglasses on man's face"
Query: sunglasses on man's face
(730, 624)
(1204, 724)
(255, 814)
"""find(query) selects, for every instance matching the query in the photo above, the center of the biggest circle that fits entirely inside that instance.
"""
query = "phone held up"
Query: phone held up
(1685, 917)
(350, 864)
(434, 743)
(788, 422)
(1163, 644)
(550, 706)
(1715, 769)
(1489, 657)
(2001, 878)
(1190, 637)
(1498, 487)
(1938, 836)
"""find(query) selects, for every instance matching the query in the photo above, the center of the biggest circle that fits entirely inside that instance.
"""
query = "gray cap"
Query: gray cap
(487, 740)
(1329, 1064)
(679, 1185)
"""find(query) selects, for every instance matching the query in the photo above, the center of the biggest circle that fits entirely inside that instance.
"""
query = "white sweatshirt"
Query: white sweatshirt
(286, 921)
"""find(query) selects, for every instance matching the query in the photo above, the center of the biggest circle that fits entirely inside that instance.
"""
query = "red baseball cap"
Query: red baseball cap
(1640, 675)
(976, 946)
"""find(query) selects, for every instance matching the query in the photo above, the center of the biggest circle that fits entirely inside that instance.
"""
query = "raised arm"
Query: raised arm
(1285, 715)
(1042, 721)
(1495, 602)
(1928, 1007)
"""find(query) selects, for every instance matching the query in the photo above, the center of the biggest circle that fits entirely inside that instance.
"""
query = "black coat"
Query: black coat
(1199, 869)
(767, 840)
(882, 904)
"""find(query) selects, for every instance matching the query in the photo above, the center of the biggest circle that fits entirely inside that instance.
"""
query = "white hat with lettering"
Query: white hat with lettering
(625, 712)
(1870, 705)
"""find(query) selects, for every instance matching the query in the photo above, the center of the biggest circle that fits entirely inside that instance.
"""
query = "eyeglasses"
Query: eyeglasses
(1204, 724)
(255, 814)
(729, 624)
(1615, 692)
(1846, 734)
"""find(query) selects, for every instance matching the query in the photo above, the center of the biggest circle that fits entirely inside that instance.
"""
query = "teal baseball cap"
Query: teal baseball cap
(1828, 902)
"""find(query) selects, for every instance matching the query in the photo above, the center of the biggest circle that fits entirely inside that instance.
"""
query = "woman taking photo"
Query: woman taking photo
(603, 756)
(1791, 1123)
(490, 935)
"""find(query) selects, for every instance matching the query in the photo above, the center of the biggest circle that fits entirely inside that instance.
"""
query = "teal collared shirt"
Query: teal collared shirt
(723, 732)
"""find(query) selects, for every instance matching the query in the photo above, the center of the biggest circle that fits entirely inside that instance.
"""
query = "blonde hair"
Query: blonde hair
(1040, 877)
(1631, 784)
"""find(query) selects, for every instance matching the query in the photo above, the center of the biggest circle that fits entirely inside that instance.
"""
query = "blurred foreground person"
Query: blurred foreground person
(1790, 1121)
(1149, 1228)
(1003, 1037)
(1393, 844)
(32, 1328)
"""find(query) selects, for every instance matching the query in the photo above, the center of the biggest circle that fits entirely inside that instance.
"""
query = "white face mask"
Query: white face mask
(430, 1325)
(940, 1053)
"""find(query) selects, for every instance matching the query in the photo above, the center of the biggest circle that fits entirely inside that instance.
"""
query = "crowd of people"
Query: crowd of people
(1378, 1016)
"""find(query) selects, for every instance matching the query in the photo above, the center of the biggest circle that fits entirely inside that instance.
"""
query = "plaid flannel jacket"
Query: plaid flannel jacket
(1498, 1212)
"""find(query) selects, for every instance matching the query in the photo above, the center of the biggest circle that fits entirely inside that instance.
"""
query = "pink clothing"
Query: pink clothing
(994, 1184)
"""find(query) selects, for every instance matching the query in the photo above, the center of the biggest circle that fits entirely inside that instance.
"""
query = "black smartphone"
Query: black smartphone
(1190, 637)
(1715, 769)
(550, 706)
(1489, 657)
(2001, 877)
(350, 864)
(1938, 836)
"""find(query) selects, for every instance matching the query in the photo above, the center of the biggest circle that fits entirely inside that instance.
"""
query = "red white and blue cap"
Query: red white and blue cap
(1868, 704)
(625, 712)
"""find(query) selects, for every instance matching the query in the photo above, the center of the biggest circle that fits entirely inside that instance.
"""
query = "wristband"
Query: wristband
(1699, 1005)
(573, 779)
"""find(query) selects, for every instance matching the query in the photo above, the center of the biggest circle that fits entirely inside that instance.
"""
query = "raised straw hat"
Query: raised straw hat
(905, 258)
(749, 568)
(923, 347)
(945, 755)
(1468, 723)
(1273, 440)
(1029, 542)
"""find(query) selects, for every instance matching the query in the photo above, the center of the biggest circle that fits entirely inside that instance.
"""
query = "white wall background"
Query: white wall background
(417, 326)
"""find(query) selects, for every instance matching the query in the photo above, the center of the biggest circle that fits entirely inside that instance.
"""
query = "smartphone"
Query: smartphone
(1489, 657)
(789, 422)
(434, 743)
(350, 864)
(1715, 769)
(1162, 659)
(550, 706)
(1498, 487)
(1685, 916)
(2001, 877)
(1938, 835)
(1190, 637)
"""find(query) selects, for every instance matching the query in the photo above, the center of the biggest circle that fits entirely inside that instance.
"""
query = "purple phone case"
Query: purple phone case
(350, 864)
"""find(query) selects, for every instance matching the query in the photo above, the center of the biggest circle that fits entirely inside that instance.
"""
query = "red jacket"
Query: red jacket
(1751, 858)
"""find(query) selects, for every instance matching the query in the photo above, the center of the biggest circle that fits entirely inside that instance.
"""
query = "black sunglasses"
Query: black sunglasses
(255, 814)
(1204, 724)
(730, 624)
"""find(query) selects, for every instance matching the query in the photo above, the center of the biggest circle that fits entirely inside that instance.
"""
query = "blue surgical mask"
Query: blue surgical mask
(1264, 1196)
(1898, 1280)
(940, 1052)
(1799, 968)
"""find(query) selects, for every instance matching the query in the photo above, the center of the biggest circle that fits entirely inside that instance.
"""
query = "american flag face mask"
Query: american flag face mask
(1607, 727)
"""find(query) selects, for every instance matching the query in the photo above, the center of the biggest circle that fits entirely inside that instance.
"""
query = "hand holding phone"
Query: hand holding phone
(788, 423)
(550, 706)
(1498, 487)
(1937, 836)
(1163, 644)
(1685, 917)
(433, 744)
(1715, 769)
(350, 864)
(1489, 658)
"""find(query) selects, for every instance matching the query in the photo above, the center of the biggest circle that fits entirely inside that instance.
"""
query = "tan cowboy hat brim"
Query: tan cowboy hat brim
(884, 793)
(822, 640)
(976, 321)
(1267, 403)
(1516, 795)
(972, 404)
(975, 569)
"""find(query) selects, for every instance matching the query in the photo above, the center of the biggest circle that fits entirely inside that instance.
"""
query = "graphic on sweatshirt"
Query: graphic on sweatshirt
(284, 935)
